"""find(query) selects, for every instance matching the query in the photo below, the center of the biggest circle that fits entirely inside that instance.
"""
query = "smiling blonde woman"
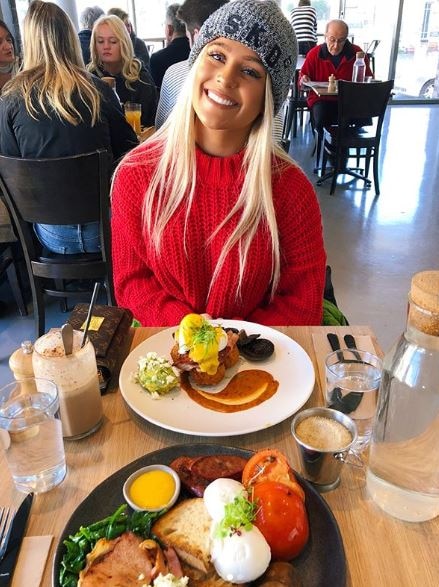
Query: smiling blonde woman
(209, 215)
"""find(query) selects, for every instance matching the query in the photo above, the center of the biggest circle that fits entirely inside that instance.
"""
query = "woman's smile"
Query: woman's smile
(220, 99)
(229, 92)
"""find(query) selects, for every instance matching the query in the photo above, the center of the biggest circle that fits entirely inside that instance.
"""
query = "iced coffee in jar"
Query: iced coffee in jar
(77, 380)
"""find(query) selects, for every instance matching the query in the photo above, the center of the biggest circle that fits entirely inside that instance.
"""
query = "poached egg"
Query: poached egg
(243, 554)
(202, 340)
(220, 492)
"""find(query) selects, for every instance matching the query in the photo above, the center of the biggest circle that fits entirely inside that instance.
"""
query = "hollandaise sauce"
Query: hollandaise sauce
(202, 341)
(153, 489)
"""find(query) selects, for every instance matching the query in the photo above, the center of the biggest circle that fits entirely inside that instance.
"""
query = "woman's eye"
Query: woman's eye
(252, 72)
(216, 56)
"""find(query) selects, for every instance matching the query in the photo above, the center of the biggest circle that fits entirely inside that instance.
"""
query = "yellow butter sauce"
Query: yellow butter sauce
(153, 489)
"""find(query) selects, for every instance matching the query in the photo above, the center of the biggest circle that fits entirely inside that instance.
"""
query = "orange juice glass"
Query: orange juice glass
(133, 112)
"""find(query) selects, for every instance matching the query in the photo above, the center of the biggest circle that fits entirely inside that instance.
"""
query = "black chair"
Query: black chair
(358, 103)
(296, 107)
(68, 190)
(371, 54)
(8, 266)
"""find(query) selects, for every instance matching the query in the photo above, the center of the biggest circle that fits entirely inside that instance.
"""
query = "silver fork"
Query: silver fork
(6, 517)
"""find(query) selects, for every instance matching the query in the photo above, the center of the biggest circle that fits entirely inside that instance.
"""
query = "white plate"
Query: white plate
(289, 365)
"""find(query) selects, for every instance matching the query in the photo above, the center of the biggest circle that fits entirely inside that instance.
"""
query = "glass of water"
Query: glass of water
(31, 434)
(352, 381)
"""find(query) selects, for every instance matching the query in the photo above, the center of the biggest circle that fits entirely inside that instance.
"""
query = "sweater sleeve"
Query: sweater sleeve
(122, 136)
(299, 296)
(8, 141)
(147, 96)
(135, 284)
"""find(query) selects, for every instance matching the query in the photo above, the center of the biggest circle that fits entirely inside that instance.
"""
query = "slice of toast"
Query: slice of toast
(186, 527)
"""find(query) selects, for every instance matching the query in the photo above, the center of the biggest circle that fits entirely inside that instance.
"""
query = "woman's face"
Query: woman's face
(107, 46)
(6, 47)
(229, 87)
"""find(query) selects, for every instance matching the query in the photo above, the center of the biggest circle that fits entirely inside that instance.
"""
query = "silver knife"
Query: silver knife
(18, 530)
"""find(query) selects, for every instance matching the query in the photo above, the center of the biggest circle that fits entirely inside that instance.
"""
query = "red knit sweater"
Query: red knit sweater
(318, 67)
(160, 290)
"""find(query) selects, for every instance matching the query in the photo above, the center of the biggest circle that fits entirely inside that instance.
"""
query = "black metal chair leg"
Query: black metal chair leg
(14, 282)
(375, 171)
(39, 308)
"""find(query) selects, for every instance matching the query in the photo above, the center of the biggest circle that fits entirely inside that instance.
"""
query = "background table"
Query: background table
(379, 549)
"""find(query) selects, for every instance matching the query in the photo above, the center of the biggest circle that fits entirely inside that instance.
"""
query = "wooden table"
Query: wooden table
(320, 88)
(380, 550)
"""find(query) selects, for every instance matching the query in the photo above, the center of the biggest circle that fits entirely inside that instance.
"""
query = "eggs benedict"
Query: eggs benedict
(204, 349)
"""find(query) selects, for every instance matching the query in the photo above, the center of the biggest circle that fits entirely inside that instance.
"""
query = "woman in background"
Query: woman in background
(209, 215)
(112, 55)
(8, 58)
(55, 108)
(139, 46)
(304, 23)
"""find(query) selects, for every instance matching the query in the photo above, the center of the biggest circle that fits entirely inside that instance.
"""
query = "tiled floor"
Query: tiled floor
(374, 245)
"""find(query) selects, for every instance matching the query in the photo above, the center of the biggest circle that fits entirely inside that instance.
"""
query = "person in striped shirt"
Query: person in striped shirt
(304, 23)
(192, 13)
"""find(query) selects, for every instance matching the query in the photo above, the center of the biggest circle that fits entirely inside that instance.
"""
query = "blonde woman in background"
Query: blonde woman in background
(209, 215)
(139, 46)
(55, 108)
(112, 55)
(8, 58)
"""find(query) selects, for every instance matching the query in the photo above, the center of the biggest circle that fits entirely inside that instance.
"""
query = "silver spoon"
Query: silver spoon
(67, 338)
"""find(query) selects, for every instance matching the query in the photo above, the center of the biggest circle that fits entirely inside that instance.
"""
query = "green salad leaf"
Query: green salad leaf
(240, 513)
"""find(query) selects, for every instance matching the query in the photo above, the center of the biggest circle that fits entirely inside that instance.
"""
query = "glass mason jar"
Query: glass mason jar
(403, 471)
(77, 379)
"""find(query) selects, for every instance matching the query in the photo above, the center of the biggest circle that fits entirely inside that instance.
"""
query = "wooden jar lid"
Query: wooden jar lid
(424, 293)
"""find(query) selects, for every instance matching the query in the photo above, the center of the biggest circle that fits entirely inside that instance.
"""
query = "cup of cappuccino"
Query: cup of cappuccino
(76, 376)
(324, 438)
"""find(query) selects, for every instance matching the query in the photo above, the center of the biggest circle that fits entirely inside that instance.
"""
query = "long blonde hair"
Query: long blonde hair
(53, 69)
(172, 147)
(131, 66)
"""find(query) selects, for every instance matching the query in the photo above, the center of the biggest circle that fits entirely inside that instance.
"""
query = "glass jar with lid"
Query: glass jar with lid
(403, 471)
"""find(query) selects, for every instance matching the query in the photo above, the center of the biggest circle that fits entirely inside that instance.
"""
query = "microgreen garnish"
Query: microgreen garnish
(205, 335)
(238, 515)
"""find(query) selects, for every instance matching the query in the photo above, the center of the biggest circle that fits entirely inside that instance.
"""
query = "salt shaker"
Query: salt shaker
(403, 473)
(76, 376)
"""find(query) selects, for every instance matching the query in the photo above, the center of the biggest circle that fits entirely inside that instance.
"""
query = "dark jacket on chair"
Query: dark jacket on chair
(50, 137)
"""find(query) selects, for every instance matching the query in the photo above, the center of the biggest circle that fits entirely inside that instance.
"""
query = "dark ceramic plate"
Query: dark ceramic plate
(322, 562)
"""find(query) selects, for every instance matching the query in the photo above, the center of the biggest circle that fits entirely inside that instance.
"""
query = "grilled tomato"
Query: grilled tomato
(270, 465)
(281, 517)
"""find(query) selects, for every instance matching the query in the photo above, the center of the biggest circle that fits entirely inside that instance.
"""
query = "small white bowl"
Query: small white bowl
(128, 483)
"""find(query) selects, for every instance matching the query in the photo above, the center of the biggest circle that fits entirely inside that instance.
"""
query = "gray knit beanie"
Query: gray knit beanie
(261, 26)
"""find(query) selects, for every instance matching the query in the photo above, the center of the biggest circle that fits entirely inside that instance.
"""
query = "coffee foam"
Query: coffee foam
(51, 344)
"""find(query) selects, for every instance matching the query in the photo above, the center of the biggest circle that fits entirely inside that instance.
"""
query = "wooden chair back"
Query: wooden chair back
(66, 190)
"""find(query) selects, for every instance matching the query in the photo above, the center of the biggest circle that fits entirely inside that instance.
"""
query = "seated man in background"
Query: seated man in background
(177, 45)
(335, 56)
(87, 19)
